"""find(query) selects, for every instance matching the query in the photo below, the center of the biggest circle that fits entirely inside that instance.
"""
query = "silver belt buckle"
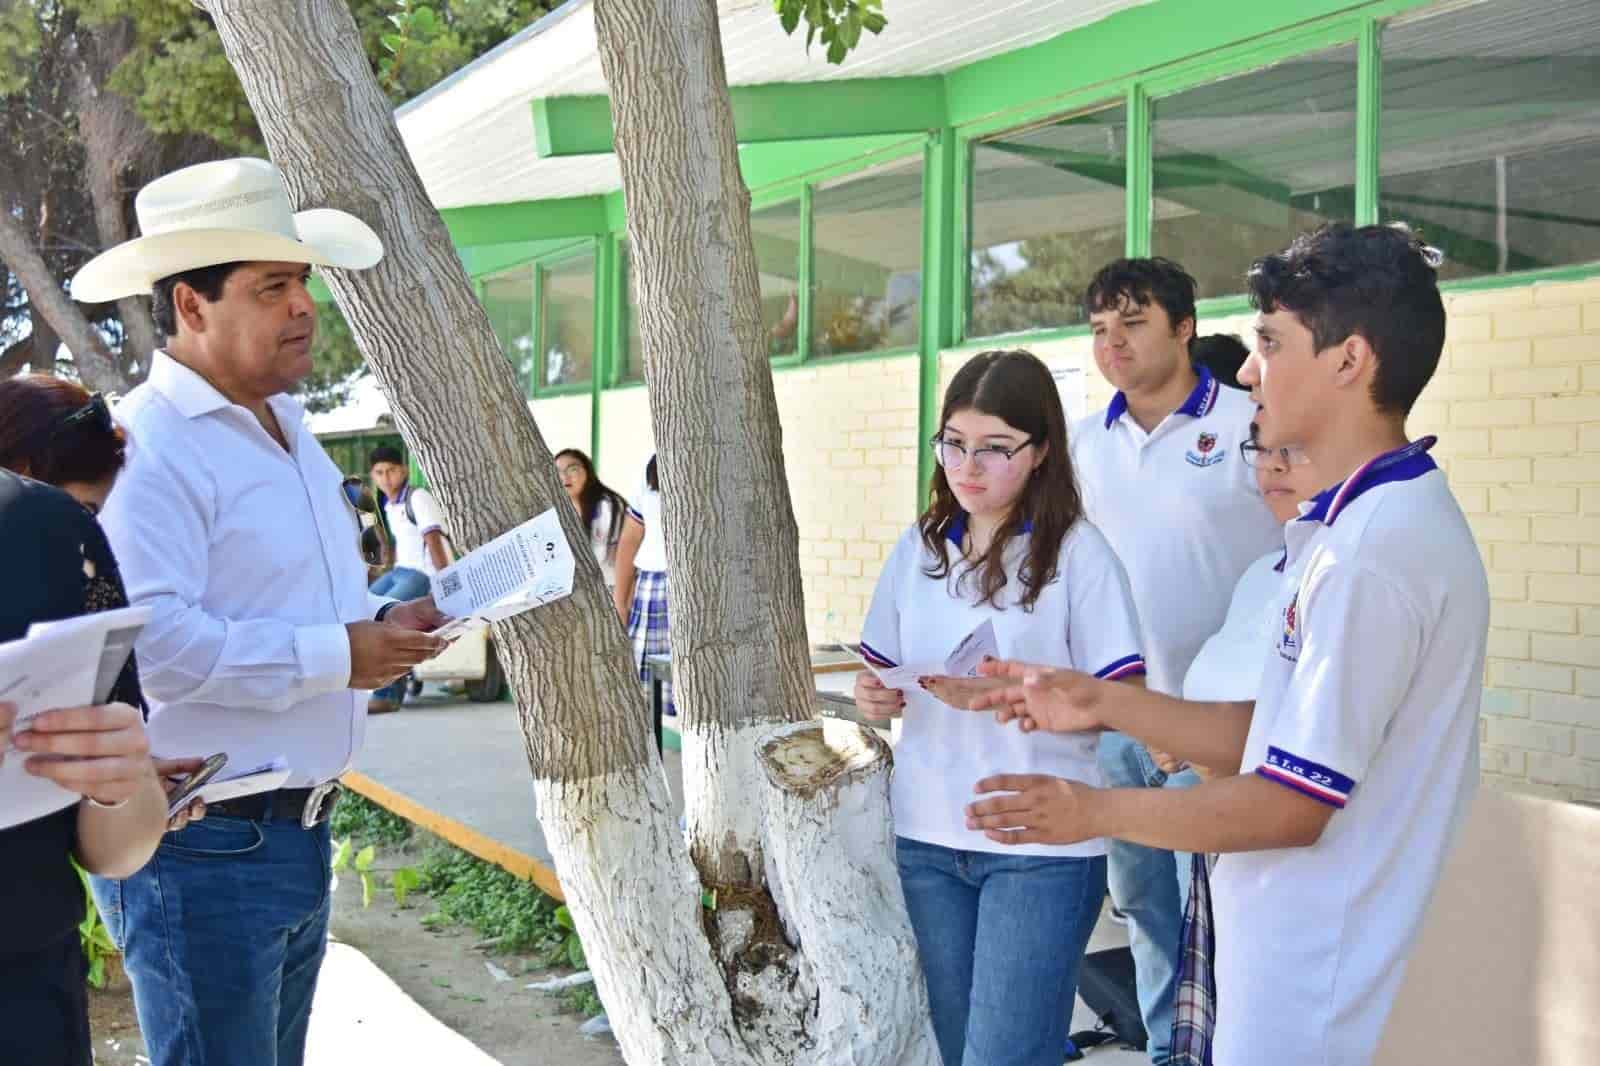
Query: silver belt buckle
(311, 815)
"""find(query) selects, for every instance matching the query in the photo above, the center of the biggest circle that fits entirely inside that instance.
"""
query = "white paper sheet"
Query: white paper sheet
(961, 662)
(528, 567)
(71, 663)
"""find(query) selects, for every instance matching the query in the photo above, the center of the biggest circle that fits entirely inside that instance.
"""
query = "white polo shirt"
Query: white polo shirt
(1369, 703)
(409, 549)
(1182, 511)
(645, 508)
(1084, 619)
(1228, 666)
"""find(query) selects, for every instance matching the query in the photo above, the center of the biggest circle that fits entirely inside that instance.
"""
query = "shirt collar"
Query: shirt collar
(958, 528)
(1201, 399)
(195, 397)
(1402, 464)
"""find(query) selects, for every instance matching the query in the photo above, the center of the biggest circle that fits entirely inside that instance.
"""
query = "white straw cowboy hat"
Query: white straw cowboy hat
(235, 210)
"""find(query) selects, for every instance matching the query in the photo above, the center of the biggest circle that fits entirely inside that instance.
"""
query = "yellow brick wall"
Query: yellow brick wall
(564, 421)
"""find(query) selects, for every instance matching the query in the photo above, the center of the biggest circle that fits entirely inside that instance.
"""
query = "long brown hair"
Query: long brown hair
(1015, 387)
(37, 438)
(595, 492)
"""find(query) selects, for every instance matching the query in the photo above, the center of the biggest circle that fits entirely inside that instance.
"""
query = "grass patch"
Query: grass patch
(358, 819)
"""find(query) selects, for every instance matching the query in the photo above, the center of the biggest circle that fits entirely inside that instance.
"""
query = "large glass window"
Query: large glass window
(1242, 165)
(867, 262)
(566, 322)
(1491, 134)
(508, 301)
(1047, 212)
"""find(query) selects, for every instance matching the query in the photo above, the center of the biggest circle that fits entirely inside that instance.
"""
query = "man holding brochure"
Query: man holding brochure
(233, 528)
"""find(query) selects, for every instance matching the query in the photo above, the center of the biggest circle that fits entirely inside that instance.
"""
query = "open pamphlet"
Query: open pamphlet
(528, 567)
(70, 663)
(961, 662)
(224, 786)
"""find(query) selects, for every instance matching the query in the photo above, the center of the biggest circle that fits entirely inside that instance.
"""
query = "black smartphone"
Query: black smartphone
(194, 782)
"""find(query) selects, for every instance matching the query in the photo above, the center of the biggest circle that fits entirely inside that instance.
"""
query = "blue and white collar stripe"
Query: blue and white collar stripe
(1402, 464)
(1201, 399)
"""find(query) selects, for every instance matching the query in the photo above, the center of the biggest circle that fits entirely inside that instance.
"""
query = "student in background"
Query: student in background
(1222, 354)
(413, 519)
(640, 595)
(1163, 479)
(1004, 541)
(602, 509)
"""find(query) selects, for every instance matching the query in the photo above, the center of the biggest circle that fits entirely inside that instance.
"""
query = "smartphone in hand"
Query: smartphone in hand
(195, 782)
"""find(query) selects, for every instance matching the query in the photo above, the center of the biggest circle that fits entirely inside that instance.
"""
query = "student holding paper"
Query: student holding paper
(1002, 542)
(112, 809)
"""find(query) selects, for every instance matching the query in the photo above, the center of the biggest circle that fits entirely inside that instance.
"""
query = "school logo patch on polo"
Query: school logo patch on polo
(1202, 452)
(1289, 640)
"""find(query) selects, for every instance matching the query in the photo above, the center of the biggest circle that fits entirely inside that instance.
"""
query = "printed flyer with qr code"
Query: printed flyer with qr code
(527, 567)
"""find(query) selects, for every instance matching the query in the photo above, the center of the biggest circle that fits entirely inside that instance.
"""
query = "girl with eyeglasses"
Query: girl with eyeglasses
(602, 508)
(1000, 930)
(88, 789)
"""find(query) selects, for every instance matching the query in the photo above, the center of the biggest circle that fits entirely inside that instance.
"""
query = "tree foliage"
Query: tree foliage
(838, 24)
(165, 59)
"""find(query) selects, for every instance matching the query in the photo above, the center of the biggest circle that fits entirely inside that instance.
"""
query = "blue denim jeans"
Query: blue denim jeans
(1146, 886)
(222, 935)
(401, 583)
(1000, 938)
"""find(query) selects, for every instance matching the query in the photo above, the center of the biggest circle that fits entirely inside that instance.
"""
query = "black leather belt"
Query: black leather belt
(308, 806)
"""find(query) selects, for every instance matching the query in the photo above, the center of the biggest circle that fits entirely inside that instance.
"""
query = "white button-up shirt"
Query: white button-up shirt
(248, 556)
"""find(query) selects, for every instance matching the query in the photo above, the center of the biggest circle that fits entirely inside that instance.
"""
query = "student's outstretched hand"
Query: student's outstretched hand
(1038, 697)
(962, 692)
(1032, 809)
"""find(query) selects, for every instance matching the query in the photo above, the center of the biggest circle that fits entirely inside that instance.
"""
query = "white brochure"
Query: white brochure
(962, 662)
(71, 663)
(528, 567)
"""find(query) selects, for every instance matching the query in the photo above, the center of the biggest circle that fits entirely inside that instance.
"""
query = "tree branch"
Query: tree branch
(45, 295)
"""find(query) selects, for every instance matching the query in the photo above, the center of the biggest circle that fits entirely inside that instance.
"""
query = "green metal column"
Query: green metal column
(942, 250)
(808, 283)
(1369, 82)
(1139, 169)
(605, 338)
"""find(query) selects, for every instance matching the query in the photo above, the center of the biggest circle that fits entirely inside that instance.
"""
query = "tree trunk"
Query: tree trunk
(94, 361)
(739, 657)
(113, 138)
(601, 793)
(45, 342)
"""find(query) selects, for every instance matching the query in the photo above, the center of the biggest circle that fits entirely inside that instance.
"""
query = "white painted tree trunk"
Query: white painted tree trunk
(683, 985)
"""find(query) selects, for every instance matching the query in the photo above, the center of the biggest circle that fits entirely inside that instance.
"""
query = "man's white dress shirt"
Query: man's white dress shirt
(247, 555)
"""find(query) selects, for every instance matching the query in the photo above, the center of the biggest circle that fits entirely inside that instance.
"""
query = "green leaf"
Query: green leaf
(837, 50)
(874, 22)
(423, 20)
(575, 955)
(399, 21)
(367, 889)
(708, 899)
(365, 858)
(392, 41)
(341, 853)
(563, 918)
(405, 879)
(789, 14)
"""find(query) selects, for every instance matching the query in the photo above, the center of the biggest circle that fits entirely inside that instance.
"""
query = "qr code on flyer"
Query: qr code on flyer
(449, 584)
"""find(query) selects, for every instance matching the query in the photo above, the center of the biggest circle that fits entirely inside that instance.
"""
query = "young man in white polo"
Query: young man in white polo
(1344, 782)
(1162, 477)
(414, 522)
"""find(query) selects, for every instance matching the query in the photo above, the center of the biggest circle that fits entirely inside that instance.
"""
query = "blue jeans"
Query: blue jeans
(222, 935)
(1149, 886)
(1000, 938)
(401, 583)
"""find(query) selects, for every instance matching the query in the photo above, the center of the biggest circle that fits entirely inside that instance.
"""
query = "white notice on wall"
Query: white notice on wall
(1070, 387)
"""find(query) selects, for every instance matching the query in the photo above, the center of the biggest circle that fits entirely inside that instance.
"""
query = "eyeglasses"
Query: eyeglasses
(951, 456)
(96, 414)
(371, 539)
(1255, 456)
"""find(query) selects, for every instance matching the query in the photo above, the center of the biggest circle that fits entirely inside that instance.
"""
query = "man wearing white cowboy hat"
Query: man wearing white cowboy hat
(234, 527)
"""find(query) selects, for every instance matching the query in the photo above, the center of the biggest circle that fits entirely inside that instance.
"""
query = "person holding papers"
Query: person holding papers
(1344, 781)
(91, 791)
(233, 529)
(1003, 545)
